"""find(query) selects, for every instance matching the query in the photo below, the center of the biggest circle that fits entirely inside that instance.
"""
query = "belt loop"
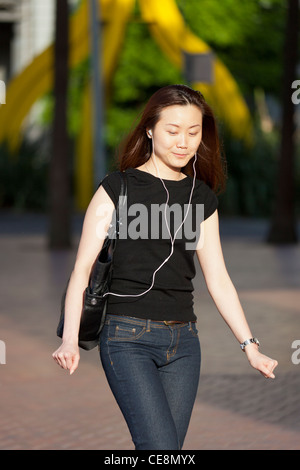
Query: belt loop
(190, 325)
(148, 323)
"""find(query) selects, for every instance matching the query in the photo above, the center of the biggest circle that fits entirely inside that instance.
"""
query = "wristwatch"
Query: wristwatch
(249, 341)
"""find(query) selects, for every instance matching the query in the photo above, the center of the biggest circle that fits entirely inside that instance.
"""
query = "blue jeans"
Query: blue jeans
(153, 371)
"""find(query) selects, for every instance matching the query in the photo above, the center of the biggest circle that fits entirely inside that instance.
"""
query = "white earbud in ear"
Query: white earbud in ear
(150, 133)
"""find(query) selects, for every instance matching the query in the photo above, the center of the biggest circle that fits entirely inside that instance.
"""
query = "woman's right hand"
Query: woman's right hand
(67, 356)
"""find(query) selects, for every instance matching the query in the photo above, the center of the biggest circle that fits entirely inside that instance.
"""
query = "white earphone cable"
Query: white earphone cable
(171, 238)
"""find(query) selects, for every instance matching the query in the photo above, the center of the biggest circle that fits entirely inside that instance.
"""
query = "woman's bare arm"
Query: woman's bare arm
(97, 219)
(223, 292)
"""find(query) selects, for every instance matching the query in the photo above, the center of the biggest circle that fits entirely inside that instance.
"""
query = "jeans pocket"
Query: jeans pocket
(125, 332)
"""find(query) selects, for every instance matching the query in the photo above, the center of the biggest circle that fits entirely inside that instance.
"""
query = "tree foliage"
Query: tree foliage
(247, 36)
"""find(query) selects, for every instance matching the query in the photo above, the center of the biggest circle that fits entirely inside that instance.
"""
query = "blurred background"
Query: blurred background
(74, 76)
(78, 66)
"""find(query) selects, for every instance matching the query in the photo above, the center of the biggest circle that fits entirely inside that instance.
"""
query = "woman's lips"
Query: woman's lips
(182, 155)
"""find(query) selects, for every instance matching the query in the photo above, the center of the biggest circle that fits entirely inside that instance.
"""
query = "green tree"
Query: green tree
(247, 36)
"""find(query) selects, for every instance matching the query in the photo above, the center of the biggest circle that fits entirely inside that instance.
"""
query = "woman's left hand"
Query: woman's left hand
(264, 364)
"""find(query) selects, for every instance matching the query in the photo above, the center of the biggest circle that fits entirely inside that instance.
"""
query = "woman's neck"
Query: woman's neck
(161, 170)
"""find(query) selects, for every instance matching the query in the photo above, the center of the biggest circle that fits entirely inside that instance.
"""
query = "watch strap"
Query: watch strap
(249, 341)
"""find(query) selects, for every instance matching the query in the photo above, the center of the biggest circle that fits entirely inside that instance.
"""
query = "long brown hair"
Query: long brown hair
(137, 148)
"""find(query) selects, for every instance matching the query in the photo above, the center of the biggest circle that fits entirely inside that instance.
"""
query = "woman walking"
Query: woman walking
(149, 346)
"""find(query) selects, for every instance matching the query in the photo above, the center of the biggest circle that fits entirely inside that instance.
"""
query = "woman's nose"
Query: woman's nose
(182, 141)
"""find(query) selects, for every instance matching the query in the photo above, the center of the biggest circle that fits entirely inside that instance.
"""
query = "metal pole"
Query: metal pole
(99, 156)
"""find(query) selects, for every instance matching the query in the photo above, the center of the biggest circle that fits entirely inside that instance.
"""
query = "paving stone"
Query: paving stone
(43, 408)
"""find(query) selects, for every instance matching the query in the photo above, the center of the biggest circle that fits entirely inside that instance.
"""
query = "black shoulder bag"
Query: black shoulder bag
(94, 301)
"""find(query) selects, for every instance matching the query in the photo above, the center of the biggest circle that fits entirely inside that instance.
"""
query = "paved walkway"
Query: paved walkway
(42, 407)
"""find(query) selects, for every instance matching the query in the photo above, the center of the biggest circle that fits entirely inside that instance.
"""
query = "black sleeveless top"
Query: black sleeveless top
(145, 243)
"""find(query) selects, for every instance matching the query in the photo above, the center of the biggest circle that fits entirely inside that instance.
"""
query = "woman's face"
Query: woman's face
(177, 135)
